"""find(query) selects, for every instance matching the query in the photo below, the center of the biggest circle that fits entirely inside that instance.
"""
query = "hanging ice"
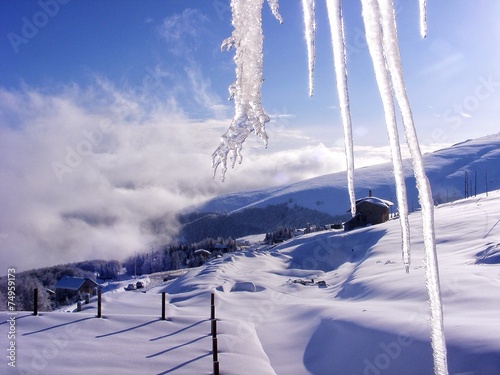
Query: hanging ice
(339, 57)
(249, 116)
(385, 35)
(381, 34)
(423, 186)
(273, 4)
(308, 7)
(374, 40)
(423, 18)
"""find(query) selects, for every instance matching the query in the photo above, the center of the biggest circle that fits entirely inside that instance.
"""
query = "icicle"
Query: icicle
(249, 116)
(371, 18)
(273, 4)
(308, 7)
(394, 65)
(339, 57)
(423, 18)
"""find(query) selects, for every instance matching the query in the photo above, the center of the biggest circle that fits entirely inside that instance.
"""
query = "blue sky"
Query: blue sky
(108, 105)
(124, 41)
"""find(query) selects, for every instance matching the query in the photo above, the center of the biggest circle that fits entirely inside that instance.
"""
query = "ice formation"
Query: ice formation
(308, 7)
(249, 116)
(381, 35)
(423, 18)
(385, 35)
(339, 58)
(423, 186)
(374, 39)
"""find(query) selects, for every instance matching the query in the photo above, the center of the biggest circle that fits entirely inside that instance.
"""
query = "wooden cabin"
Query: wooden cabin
(369, 211)
(68, 287)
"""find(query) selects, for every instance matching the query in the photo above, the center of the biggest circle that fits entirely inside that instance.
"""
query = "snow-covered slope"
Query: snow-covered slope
(366, 316)
(445, 169)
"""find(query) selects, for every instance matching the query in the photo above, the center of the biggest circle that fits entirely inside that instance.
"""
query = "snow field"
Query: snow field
(370, 317)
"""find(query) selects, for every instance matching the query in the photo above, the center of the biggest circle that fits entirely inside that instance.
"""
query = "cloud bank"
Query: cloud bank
(102, 172)
(98, 172)
(95, 173)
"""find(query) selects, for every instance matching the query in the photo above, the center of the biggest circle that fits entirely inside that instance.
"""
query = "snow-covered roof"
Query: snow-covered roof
(375, 200)
(72, 283)
(202, 251)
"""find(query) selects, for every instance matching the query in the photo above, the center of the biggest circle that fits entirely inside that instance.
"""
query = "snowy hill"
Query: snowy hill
(445, 168)
(330, 302)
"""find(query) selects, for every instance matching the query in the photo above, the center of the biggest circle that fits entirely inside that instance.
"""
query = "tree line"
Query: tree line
(167, 258)
(177, 256)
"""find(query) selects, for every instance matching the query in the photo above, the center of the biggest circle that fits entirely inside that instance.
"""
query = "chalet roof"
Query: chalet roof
(376, 201)
(73, 283)
(202, 251)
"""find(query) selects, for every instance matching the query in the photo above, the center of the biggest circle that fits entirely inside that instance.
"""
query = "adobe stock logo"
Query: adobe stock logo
(31, 26)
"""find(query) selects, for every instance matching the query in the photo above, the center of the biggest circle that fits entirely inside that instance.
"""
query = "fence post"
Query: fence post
(35, 301)
(214, 334)
(214, 328)
(163, 306)
(212, 306)
(214, 349)
(99, 303)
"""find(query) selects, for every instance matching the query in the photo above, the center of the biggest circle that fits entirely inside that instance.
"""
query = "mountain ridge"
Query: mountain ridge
(445, 169)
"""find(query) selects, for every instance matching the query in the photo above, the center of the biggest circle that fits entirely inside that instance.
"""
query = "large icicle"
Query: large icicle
(425, 194)
(423, 18)
(339, 57)
(371, 18)
(249, 116)
(309, 10)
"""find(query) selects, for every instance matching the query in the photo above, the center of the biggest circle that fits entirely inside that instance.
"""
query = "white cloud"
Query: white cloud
(86, 172)
(202, 93)
(182, 31)
(101, 172)
(82, 181)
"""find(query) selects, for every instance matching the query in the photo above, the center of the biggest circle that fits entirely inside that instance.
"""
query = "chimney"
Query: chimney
(369, 192)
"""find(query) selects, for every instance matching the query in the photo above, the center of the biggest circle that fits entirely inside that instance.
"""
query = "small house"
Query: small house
(68, 287)
(369, 211)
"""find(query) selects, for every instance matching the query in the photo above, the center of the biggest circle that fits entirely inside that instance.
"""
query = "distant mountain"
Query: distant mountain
(252, 220)
(477, 160)
(468, 167)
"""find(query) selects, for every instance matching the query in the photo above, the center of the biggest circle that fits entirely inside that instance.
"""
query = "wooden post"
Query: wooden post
(35, 301)
(214, 328)
(214, 334)
(212, 306)
(99, 311)
(163, 306)
(214, 349)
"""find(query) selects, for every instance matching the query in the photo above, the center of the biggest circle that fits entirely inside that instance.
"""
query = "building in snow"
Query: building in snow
(68, 287)
(369, 211)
